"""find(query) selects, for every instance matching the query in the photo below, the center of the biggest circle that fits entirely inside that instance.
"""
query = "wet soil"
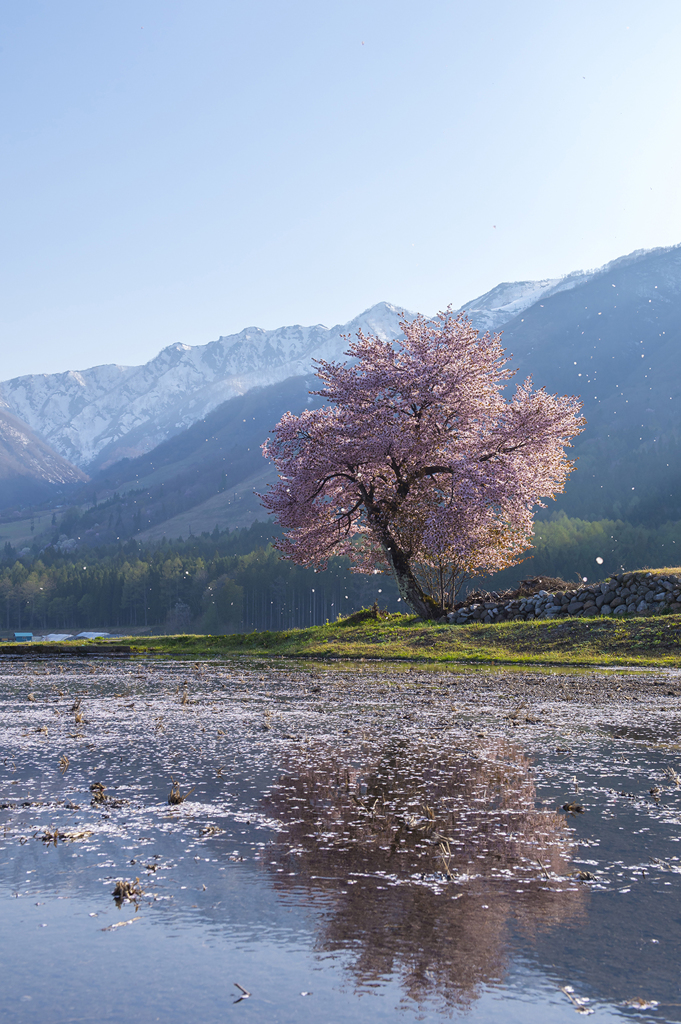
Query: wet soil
(357, 841)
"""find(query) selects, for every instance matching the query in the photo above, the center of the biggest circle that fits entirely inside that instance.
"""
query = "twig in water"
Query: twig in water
(446, 858)
(246, 994)
(120, 924)
(546, 874)
(577, 1002)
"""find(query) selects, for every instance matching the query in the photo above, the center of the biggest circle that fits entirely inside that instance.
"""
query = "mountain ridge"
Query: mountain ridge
(514, 297)
(585, 333)
(614, 340)
(96, 417)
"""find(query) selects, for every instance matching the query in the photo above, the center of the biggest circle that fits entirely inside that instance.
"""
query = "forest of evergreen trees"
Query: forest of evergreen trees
(215, 583)
(236, 582)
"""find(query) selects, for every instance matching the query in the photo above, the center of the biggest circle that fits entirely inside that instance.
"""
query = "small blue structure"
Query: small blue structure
(23, 638)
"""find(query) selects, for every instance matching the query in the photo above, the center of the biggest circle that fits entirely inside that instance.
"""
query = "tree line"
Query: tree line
(576, 549)
(218, 583)
(237, 582)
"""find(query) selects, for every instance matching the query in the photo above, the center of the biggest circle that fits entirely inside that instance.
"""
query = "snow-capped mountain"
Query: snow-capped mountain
(492, 310)
(497, 307)
(110, 412)
(98, 416)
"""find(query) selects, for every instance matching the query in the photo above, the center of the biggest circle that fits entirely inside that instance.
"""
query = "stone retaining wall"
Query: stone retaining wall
(636, 593)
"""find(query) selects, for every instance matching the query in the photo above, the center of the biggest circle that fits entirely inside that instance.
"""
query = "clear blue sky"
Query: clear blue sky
(173, 171)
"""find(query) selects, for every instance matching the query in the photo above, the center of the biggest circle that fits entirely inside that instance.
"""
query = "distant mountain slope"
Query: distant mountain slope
(616, 341)
(234, 509)
(494, 309)
(612, 336)
(29, 468)
(98, 416)
(203, 476)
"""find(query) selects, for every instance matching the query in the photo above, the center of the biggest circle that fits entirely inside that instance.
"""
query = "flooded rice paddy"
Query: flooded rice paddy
(207, 842)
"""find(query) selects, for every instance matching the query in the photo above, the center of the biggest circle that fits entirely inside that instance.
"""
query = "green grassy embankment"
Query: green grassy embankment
(645, 641)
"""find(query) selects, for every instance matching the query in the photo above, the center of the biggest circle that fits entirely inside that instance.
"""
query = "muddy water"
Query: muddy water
(348, 845)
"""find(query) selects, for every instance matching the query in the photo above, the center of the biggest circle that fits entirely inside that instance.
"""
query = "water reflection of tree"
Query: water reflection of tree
(433, 857)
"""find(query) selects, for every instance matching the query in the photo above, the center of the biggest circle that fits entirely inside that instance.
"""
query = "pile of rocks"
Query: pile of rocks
(628, 594)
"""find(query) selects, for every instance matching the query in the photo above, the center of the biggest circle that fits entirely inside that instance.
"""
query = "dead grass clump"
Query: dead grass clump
(98, 794)
(50, 837)
(100, 798)
(56, 835)
(127, 891)
(364, 615)
(175, 797)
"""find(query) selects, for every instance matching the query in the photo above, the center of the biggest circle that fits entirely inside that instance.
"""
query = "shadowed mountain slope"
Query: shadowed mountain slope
(29, 469)
(615, 340)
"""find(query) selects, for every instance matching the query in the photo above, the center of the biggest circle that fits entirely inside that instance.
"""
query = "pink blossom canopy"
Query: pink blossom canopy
(418, 462)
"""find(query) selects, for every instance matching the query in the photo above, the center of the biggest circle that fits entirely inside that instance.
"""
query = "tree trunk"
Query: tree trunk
(409, 587)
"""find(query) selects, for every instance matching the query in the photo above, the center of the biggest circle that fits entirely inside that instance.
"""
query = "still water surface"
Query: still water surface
(353, 847)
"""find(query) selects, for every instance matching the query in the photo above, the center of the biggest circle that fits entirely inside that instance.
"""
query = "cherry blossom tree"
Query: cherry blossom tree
(418, 463)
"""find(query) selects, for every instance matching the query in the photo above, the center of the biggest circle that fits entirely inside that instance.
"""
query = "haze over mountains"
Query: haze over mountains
(184, 430)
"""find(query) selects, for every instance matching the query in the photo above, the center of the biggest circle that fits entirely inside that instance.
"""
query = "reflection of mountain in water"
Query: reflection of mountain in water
(433, 856)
